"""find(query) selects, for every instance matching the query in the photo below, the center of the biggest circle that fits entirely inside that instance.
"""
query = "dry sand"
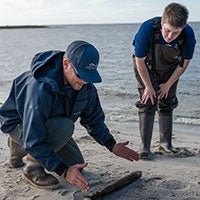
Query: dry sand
(167, 177)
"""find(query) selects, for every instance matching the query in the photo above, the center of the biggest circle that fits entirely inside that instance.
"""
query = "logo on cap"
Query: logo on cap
(91, 66)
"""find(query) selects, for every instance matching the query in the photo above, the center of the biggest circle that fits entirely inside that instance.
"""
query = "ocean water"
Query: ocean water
(117, 92)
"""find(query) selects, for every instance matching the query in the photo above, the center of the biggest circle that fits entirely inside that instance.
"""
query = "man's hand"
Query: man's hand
(122, 151)
(75, 177)
(149, 93)
(163, 91)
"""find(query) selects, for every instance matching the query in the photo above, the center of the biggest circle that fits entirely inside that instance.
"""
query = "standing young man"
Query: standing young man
(164, 47)
(41, 110)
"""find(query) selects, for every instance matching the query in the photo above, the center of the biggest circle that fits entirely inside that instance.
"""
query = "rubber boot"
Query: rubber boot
(165, 128)
(146, 121)
(35, 174)
(17, 152)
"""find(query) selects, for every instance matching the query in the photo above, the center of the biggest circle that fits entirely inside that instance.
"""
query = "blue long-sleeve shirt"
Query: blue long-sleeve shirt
(143, 37)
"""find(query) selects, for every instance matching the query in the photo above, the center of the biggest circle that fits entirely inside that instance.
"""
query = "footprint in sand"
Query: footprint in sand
(173, 184)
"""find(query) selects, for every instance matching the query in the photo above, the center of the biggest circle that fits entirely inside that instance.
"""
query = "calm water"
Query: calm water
(118, 90)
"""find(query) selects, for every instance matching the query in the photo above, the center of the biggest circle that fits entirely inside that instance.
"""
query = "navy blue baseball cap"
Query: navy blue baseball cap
(84, 58)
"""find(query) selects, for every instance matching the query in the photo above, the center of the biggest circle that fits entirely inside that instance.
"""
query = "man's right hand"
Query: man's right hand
(75, 177)
(149, 93)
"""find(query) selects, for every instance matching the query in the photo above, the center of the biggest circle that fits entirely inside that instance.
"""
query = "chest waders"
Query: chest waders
(161, 62)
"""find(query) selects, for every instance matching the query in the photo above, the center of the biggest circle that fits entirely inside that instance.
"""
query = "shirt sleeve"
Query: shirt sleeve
(142, 39)
(92, 118)
(190, 42)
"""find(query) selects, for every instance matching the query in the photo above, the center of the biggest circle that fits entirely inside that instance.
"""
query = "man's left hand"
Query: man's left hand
(122, 151)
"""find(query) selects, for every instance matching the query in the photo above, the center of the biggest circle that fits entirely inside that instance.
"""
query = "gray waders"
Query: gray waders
(165, 120)
(146, 122)
(161, 63)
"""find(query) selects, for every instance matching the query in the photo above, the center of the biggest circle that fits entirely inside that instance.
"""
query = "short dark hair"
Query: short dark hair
(176, 15)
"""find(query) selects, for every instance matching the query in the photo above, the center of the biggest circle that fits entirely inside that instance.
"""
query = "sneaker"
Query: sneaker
(35, 174)
(17, 152)
(146, 155)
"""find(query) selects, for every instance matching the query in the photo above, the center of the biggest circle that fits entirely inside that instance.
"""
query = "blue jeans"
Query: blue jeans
(58, 137)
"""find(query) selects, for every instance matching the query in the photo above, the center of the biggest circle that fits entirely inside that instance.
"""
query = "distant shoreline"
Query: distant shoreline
(23, 26)
(61, 25)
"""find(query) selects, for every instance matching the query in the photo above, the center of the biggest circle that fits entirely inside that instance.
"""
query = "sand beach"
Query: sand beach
(167, 177)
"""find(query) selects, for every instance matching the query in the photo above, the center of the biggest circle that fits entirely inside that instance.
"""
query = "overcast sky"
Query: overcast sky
(45, 12)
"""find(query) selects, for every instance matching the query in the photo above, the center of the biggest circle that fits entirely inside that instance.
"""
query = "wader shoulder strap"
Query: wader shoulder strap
(155, 39)
(182, 40)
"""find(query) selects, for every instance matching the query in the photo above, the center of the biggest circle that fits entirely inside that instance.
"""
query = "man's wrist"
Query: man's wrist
(110, 148)
(110, 143)
(64, 174)
(61, 168)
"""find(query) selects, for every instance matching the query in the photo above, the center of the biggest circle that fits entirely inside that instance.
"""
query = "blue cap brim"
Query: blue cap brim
(89, 76)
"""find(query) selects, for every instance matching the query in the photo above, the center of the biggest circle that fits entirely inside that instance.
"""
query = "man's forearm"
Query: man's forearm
(177, 73)
(143, 72)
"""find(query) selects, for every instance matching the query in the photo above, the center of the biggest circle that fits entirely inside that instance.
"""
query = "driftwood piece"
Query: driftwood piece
(134, 176)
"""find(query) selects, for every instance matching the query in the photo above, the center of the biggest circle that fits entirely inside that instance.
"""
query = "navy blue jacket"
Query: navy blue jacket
(40, 94)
